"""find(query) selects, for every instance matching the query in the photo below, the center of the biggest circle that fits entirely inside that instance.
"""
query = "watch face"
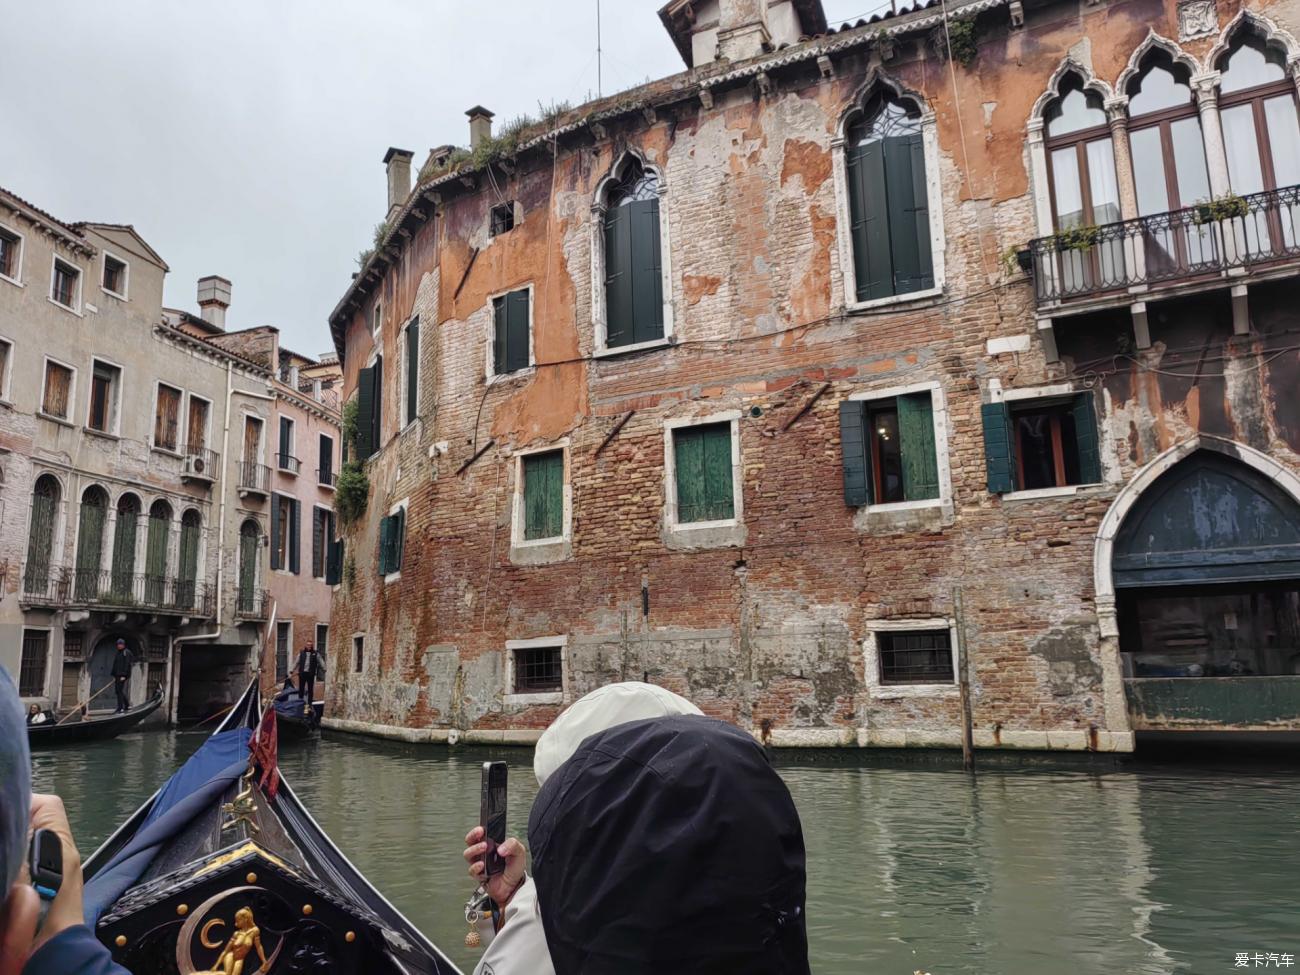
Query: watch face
(47, 858)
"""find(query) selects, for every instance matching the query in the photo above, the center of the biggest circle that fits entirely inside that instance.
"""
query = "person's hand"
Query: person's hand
(66, 908)
(502, 887)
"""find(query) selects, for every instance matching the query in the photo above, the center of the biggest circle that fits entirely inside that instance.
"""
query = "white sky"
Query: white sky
(244, 137)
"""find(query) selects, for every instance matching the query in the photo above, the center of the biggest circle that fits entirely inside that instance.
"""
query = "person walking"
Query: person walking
(310, 666)
(122, 663)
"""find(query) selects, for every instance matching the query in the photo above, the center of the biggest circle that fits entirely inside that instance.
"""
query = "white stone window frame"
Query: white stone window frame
(516, 218)
(671, 426)
(115, 406)
(518, 509)
(939, 417)
(403, 368)
(72, 391)
(17, 278)
(879, 691)
(599, 319)
(207, 423)
(1110, 473)
(512, 699)
(877, 80)
(76, 307)
(49, 659)
(153, 430)
(123, 295)
(7, 373)
(376, 320)
(287, 501)
(404, 506)
(490, 366)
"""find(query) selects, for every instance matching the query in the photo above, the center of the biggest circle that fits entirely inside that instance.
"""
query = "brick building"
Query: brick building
(843, 363)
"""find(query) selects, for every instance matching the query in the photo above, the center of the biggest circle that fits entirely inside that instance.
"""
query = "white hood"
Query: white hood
(602, 709)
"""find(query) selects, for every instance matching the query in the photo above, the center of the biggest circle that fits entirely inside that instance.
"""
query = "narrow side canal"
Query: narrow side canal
(1130, 871)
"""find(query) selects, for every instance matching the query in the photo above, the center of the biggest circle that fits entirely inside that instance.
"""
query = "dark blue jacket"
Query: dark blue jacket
(73, 952)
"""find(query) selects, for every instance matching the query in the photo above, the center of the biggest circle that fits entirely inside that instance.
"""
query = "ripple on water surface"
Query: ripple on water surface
(1015, 872)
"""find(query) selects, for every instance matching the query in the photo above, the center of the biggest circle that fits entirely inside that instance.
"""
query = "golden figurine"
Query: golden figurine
(245, 939)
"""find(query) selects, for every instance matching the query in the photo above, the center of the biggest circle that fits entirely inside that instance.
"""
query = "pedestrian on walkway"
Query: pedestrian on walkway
(310, 666)
(122, 663)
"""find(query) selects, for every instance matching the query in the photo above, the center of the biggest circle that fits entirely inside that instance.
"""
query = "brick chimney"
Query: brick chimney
(398, 162)
(480, 125)
(214, 299)
(742, 29)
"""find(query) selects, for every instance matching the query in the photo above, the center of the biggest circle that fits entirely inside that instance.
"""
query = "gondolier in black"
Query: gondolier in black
(310, 666)
(122, 663)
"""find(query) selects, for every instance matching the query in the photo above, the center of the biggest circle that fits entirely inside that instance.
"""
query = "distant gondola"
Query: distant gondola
(93, 727)
(212, 871)
(296, 718)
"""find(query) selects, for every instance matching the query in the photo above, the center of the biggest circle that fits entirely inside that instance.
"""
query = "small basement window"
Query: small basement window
(503, 219)
(538, 670)
(915, 657)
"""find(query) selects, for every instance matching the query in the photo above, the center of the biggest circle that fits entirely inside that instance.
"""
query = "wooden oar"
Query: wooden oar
(210, 717)
(83, 704)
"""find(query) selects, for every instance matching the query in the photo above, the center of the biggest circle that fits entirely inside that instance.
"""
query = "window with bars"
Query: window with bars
(502, 219)
(167, 417)
(156, 648)
(156, 675)
(63, 286)
(510, 338)
(105, 380)
(915, 657)
(114, 276)
(543, 495)
(702, 457)
(10, 245)
(283, 634)
(57, 397)
(74, 645)
(538, 670)
(34, 663)
(889, 449)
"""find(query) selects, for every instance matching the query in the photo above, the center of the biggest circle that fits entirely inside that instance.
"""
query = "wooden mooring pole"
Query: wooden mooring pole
(963, 684)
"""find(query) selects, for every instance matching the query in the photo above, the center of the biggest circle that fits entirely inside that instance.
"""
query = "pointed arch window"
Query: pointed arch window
(1258, 106)
(37, 575)
(888, 202)
(634, 303)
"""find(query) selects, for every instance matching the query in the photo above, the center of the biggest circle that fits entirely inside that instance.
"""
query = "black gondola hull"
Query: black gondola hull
(92, 728)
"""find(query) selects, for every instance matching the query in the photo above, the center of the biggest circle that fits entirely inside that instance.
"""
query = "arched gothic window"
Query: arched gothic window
(888, 205)
(37, 574)
(1258, 106)
(634, 305)
(90, 541)
(124, 537)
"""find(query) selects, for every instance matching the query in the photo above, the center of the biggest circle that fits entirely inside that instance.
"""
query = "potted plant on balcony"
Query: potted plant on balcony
(1222, 208)
(1076, 238)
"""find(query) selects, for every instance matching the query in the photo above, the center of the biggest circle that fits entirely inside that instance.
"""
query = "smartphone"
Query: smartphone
(492, 815)
(45, 863)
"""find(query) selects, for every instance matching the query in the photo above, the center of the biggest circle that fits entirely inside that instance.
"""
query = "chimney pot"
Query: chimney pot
(398, 163)
(480, 125)
(214, 299)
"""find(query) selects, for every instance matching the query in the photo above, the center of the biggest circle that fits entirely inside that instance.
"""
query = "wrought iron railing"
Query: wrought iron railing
(254, 476)
(253, 604)
(287, 463)
(1206, 239)
(327, 478)
(114, 589)
(201, 462)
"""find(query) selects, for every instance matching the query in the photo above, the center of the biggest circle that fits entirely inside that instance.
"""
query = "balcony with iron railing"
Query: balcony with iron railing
(252, 604)
(1228, 241)
(254, 478)
(287, 464)
(61, 586)
(200, 464)
(327, 478)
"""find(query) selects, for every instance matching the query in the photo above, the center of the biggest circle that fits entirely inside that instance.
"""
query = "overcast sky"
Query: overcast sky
(244, 137)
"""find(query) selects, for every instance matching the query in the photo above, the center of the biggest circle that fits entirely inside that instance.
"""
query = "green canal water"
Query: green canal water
(1027, 871)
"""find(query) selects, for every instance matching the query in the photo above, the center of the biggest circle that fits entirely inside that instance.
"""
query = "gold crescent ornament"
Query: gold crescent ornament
(216, 922)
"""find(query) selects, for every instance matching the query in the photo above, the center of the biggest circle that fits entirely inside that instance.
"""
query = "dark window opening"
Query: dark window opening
(74, 645)
(8, 254)
(156, 648)
(35, 659)
(889, 450)
(64, 289)
(538, 670)
(114, 275)
(915, 657)
(503, 219)
(358, 653)
(283, 630)
(1041, 443)
(103, 391)
(1047, 446)
(886, 453)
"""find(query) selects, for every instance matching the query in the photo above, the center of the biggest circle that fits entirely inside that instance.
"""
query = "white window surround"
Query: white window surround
(75, 307)
(939, 413)
(670, 472)
(180, 407)
(72, 390)
(115, 404)
(871, 659)
(933, 191)
(207, 422)
(376, 319)
(18, 262)
(403, 505)
(126, 275)
(599, 322)
(404, 367)
(492, 375)
(7, 373)
(1110, 473)
(510, 698)
(518, 513)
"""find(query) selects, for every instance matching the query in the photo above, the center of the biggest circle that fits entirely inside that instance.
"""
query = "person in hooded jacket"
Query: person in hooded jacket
(519, 946)
(61, 944)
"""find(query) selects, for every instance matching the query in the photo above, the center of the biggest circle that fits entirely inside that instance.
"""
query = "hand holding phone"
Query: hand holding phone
(45, 863)
(492, 816)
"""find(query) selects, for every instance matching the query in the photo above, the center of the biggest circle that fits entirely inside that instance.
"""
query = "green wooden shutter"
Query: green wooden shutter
(1085, 432)
(704, 474)
(377, 413)
(544, 495)
(90, 549)
(499, 336)
(247, 568)
(155, 558)
(334, 563)
(318, 542)
(275, 532)
(619, 315)
(870, 221)
(399, 540)
(385, 544)
(365, 410)
(40, 542)
(412, 367)
(719, 496)
(189, 566)
(295, 532)
(999, 448)
(857, 458)
(916, 437)
(124, 535)
(905, 202)
(516, 331)
(286, 442)
(688, 447)
(647, 281)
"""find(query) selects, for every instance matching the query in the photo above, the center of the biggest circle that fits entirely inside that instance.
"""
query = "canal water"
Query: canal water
(1027, 871)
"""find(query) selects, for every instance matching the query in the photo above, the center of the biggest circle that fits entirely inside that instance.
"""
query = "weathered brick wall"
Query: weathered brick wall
(771, 633)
